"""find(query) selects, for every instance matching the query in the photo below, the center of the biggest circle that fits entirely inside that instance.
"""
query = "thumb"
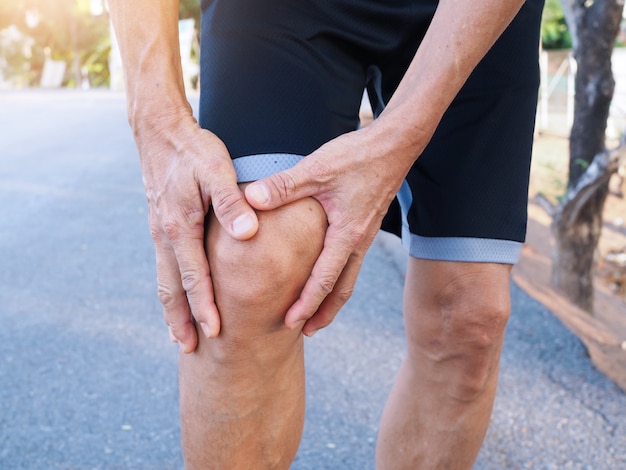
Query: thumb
(234, 213)
(280, 188)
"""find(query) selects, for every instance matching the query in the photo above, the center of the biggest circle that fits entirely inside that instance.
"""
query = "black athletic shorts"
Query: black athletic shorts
(279, 78)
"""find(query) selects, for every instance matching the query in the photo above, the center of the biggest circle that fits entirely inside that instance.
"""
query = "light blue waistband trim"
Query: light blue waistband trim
(255, 167)
(478, 250)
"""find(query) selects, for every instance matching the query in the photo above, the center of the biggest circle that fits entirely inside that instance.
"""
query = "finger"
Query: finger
(321, 282)
(232, 210)
(196, 282)
(282, 188)
(344, 287)
(174, 299)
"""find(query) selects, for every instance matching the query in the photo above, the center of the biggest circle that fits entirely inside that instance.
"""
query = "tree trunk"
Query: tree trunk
(575, 251)
(578, 222)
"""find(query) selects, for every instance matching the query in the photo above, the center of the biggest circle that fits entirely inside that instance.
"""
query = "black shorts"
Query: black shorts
(279, 78)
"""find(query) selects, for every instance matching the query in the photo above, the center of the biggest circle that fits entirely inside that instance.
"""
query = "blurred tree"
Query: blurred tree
(577, 222)
(16, 50)
(62, 30)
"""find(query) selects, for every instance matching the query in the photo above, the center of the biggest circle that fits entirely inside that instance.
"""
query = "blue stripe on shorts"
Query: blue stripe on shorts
(254, 167)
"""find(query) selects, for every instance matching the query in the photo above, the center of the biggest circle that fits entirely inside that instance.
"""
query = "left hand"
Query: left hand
(354, 177)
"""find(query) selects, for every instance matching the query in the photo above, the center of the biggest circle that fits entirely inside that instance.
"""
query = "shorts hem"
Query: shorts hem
(254, 167)
(462, 249)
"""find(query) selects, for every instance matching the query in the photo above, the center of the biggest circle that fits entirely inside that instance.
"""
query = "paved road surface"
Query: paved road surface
(88, 376)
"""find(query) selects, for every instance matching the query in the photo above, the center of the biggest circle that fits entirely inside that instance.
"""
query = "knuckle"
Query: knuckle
(191, 280)
(282, 184)
(286, 185)
(175, 225)
(156, 233)
(226, 202)
(154, 224)
(348, 236)
(171, 228)
(356, 235)
(167, 296)
(326, 283)
(343, 295)
(152, 195)
(320, 170)
(193, 216)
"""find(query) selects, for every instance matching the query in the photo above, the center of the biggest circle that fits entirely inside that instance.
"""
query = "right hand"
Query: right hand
(354, 177)
(185, 170)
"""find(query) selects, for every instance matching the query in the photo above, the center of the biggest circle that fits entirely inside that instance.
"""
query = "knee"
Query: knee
(463, 340)
(257, 280)
(472, 316)
(474, 324)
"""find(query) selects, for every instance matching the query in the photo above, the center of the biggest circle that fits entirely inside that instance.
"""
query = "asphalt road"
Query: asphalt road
(88, 375)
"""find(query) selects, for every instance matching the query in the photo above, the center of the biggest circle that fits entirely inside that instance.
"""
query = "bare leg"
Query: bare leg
(242, 393)
(440, 406)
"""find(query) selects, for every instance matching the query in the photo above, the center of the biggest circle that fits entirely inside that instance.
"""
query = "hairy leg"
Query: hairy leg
(242, 393)
(440, 406)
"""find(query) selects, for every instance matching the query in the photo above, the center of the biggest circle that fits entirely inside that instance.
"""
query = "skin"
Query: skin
(455, 313)
(439, 408)
(242, 393)
(186, 169)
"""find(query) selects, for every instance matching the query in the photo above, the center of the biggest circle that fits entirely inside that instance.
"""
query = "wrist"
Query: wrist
(400, 136)
(153, 99)
(157, 112)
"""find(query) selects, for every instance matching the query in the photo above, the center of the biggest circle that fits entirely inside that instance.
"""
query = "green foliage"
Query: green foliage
(16, 52)
(61, 30)
(191, 9)
(554, 32)
(584, 164)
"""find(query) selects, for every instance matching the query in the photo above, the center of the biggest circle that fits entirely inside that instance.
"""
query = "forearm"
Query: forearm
(461, 33)
(147, 33)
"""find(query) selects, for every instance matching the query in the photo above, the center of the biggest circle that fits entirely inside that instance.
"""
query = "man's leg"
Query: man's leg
(242, 393)
(440, 406)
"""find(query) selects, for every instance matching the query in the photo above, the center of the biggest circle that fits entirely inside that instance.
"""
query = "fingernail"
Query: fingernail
(311, 333)
(243, 224)
(206, 329)
(258, 192)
